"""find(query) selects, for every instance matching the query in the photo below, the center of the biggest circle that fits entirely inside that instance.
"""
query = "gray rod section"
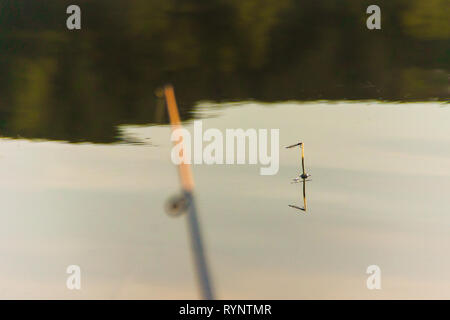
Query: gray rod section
(197, 248)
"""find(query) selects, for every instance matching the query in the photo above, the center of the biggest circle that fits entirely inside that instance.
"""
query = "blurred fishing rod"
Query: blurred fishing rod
(186, 203)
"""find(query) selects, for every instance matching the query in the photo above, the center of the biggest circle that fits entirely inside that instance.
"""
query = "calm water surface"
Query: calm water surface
(379, 195)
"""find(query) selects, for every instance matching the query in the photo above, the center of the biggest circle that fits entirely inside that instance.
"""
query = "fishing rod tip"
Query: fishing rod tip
(159, 91)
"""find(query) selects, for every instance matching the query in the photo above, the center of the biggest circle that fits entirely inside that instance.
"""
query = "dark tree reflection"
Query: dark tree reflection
(79, 86)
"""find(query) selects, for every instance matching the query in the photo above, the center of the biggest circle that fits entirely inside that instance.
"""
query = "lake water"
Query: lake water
(379, 195)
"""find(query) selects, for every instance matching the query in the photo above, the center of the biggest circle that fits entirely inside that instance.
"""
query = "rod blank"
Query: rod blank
(187, 182)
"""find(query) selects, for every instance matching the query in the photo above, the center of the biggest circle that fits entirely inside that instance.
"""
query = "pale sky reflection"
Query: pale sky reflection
(379, 195)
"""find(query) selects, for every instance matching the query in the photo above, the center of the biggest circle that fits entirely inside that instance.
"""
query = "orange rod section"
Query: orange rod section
(184, 169)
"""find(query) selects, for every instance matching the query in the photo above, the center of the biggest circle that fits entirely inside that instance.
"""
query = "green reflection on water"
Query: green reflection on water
(80, 86)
